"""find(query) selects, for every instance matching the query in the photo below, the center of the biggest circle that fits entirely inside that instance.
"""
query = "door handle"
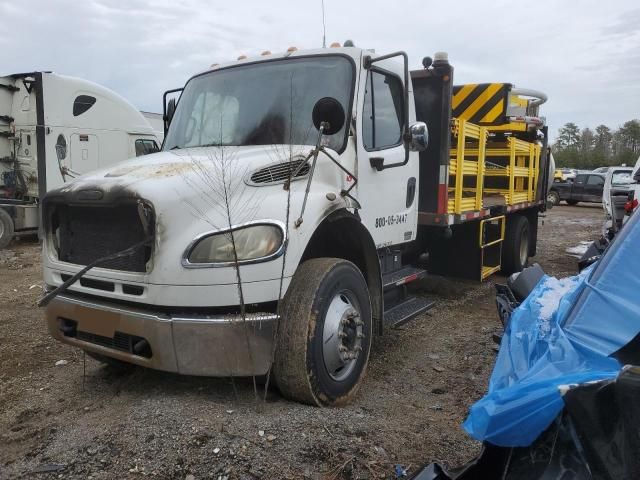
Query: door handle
(377, 162)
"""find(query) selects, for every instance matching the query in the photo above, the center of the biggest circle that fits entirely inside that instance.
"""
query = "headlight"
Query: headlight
(252, 242)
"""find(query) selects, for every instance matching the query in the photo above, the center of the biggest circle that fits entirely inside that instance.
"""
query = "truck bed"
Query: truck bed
(473, 170)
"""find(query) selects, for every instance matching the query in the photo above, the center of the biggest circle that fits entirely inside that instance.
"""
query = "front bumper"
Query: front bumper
(217, 346)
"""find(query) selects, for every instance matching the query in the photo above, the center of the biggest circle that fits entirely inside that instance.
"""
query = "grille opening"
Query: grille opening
(83, 234)
(280, 172)
(132, 289)
(122, 342)
(92, 283)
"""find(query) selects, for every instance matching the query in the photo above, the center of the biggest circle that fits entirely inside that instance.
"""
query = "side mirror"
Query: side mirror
(171, 109)
(419, 137)
(328, 111)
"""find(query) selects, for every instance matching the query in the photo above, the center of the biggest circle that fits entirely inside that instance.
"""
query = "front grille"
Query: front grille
(279, 172)
(87, 233)
(92, 283)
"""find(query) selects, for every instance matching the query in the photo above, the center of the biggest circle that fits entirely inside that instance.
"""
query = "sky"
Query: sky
(585, 55)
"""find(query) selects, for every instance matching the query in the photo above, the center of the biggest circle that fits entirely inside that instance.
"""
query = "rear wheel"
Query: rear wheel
(515, 249)
(553, 198)
(6, 228)
(572, 202)
(324, 336)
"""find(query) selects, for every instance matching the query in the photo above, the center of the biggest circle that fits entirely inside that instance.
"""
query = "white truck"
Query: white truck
(296, 197)
(52, 129)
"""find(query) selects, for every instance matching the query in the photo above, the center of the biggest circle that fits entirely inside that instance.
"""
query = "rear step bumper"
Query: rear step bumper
(190, 345)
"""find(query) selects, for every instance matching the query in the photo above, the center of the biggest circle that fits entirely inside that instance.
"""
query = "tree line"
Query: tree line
(588, 149)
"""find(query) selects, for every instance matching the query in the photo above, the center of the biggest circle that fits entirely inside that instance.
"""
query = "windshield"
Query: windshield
(621, 177)
(266, 103)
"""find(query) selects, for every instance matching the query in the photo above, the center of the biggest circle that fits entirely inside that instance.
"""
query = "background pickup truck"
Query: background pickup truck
(587, 187)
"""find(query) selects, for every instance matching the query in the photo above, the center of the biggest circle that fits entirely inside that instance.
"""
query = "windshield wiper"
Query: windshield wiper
(175, 147)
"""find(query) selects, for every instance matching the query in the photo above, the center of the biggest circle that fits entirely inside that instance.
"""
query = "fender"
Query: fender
(341, 234)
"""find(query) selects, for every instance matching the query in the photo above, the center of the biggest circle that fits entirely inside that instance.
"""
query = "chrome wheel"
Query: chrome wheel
(342, 336)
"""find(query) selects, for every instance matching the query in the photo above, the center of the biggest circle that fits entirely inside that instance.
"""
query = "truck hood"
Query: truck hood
(151, 168)
(195, 192)
(201, 179)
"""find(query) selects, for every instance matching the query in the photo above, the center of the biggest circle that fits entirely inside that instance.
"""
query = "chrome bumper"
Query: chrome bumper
(216, 346)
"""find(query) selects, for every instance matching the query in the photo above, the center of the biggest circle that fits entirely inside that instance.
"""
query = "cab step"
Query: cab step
(407, 310)
(402, 277)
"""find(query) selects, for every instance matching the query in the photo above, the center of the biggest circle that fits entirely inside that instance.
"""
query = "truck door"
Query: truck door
(83, 153)
(577, 189)
(387, 196)
(593, 188)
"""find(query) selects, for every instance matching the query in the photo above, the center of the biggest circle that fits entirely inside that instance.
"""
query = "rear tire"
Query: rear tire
(324, 335)
(553, 197)
(7, 229)
(573, 203)
(515, 248)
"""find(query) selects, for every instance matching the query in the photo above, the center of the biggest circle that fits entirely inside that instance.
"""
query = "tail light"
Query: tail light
(630, 206)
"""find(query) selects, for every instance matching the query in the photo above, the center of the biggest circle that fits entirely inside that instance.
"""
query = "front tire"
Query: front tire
(324, 334)
(6, 229)
(515, 250)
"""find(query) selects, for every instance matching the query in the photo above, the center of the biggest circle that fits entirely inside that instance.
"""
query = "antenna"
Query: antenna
(324, 29)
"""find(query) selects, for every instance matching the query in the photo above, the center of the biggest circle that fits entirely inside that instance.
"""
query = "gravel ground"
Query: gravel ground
(83, 420)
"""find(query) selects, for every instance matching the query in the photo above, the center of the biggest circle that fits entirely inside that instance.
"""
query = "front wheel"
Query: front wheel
(324, 335)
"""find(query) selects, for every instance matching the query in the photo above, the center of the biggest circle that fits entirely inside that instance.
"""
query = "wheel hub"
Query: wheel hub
(342, 337)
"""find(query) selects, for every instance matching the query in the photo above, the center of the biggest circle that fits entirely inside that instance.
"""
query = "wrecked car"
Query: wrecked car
(562, 399)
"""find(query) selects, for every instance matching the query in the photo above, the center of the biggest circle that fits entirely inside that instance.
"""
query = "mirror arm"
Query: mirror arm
(165, 120)
(406, 136)
(313, 153)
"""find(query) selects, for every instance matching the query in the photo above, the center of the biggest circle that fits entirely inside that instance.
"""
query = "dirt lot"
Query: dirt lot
(56, 422)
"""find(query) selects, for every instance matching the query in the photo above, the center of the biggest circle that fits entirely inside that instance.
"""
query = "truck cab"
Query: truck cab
(586, 187)
(296, 196)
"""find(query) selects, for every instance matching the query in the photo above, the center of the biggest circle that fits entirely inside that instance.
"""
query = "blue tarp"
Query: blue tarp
(563, 333)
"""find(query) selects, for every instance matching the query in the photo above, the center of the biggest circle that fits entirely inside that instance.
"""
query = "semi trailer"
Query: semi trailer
(54, 128)
(296, 197)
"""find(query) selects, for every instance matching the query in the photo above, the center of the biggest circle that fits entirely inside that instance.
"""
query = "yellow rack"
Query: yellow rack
(467, 158)
(478, 159)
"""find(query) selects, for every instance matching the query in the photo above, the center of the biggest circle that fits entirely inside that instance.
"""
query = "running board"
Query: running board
(407, 310)
(401, 277)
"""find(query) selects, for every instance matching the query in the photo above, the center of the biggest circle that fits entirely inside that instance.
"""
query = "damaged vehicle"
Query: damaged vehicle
(296, 196)
(562, 399)
(619, 201)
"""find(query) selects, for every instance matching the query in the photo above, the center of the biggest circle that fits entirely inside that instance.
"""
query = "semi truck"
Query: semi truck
(296, 198)
(54, 128)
